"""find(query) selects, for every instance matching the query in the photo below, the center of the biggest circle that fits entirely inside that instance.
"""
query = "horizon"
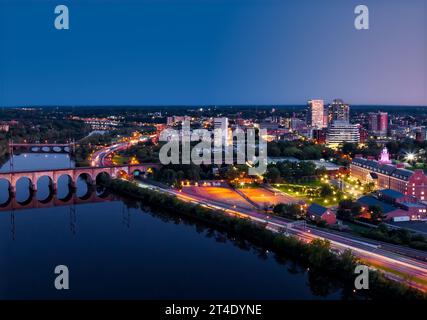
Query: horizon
(204, 106)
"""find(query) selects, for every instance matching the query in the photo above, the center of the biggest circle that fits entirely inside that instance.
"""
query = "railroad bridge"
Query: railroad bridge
(42, 147)
(90, 174)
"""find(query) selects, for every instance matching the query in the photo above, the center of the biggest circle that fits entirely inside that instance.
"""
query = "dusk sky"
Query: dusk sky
(196, 52)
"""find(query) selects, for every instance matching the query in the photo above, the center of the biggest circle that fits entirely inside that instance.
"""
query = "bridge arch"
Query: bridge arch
(41, 184)
(86, 176)
(64, 180)
(102, 175)
(63, 176)
(87, 173)
(39, 179)
(5, 187)
(26, 190)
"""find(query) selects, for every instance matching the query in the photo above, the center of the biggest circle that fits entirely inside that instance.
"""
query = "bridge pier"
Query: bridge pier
(72, 185)
(12, 190)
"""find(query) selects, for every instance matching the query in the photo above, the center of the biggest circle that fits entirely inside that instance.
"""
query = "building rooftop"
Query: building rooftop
(316, 209)
(391, 193)
(371, 201)
(281, 159)
(387, 169)
(413, 204)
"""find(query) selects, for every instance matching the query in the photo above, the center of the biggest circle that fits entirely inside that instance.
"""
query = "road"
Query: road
(102, 157)
(367, 250)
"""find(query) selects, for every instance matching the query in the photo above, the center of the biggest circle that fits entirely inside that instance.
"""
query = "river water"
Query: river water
(113, 248)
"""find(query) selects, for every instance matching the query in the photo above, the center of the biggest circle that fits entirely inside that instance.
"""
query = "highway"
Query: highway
(374, 253)
(407, 263)
(102, 157)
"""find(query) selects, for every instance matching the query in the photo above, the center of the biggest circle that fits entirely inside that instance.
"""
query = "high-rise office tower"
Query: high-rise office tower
(339, 110)
(222, 123)
(316, 114)
(378, 123)
(383, 123)
(340, 132)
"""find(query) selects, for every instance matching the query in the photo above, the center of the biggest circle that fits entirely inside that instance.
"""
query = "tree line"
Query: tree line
(317, 254)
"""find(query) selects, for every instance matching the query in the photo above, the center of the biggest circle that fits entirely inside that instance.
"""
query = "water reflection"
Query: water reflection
(38, 161)
(320, 284)
(93, 195)
(143, 254)
(29, 199)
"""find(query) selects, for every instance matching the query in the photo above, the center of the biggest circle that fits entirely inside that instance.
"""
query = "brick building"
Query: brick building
(317, 213)
(385, 175)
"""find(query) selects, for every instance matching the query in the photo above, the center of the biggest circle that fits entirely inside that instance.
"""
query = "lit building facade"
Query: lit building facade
(340, 132)
(378, 123)
(222, 124)
(388, 176)
(316, 114)
(339, 111)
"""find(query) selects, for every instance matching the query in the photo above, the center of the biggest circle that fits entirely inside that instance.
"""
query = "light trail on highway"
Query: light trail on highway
(366, 251)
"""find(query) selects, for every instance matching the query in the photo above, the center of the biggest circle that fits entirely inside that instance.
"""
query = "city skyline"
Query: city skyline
(260, 152)
(213, 53)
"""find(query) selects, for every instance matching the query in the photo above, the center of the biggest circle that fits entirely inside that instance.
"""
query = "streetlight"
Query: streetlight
(410, 156)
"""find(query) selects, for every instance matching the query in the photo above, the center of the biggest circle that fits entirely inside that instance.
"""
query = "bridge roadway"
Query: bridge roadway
(41, 145)
(89, 173)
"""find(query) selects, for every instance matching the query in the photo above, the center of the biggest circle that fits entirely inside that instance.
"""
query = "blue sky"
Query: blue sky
(196, 52)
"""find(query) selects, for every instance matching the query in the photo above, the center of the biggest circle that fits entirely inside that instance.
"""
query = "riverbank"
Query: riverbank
(316, 255)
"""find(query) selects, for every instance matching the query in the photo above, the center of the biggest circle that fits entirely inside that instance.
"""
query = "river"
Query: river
(116, 249)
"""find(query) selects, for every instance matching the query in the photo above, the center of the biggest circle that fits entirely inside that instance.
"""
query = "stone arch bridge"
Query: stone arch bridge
(90, 173)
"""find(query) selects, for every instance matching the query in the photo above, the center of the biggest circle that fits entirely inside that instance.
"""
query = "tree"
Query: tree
(356, 209)
(292, 211)
(273, 175)
(320, 254)
(306, 168)
(344, 214)
(369, 187)
(193, 173)
(326, 190)
(231, 173)
(273, 149)
(349, 148)
(311, 152)
(376, 213)
(169, 176)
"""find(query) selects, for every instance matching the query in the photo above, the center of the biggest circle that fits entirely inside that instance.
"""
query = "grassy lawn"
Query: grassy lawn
(247, 186)
(120, 160)
(291, 189)
(352, 182)
(398, 273)
(418, 165)
(315, 183)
